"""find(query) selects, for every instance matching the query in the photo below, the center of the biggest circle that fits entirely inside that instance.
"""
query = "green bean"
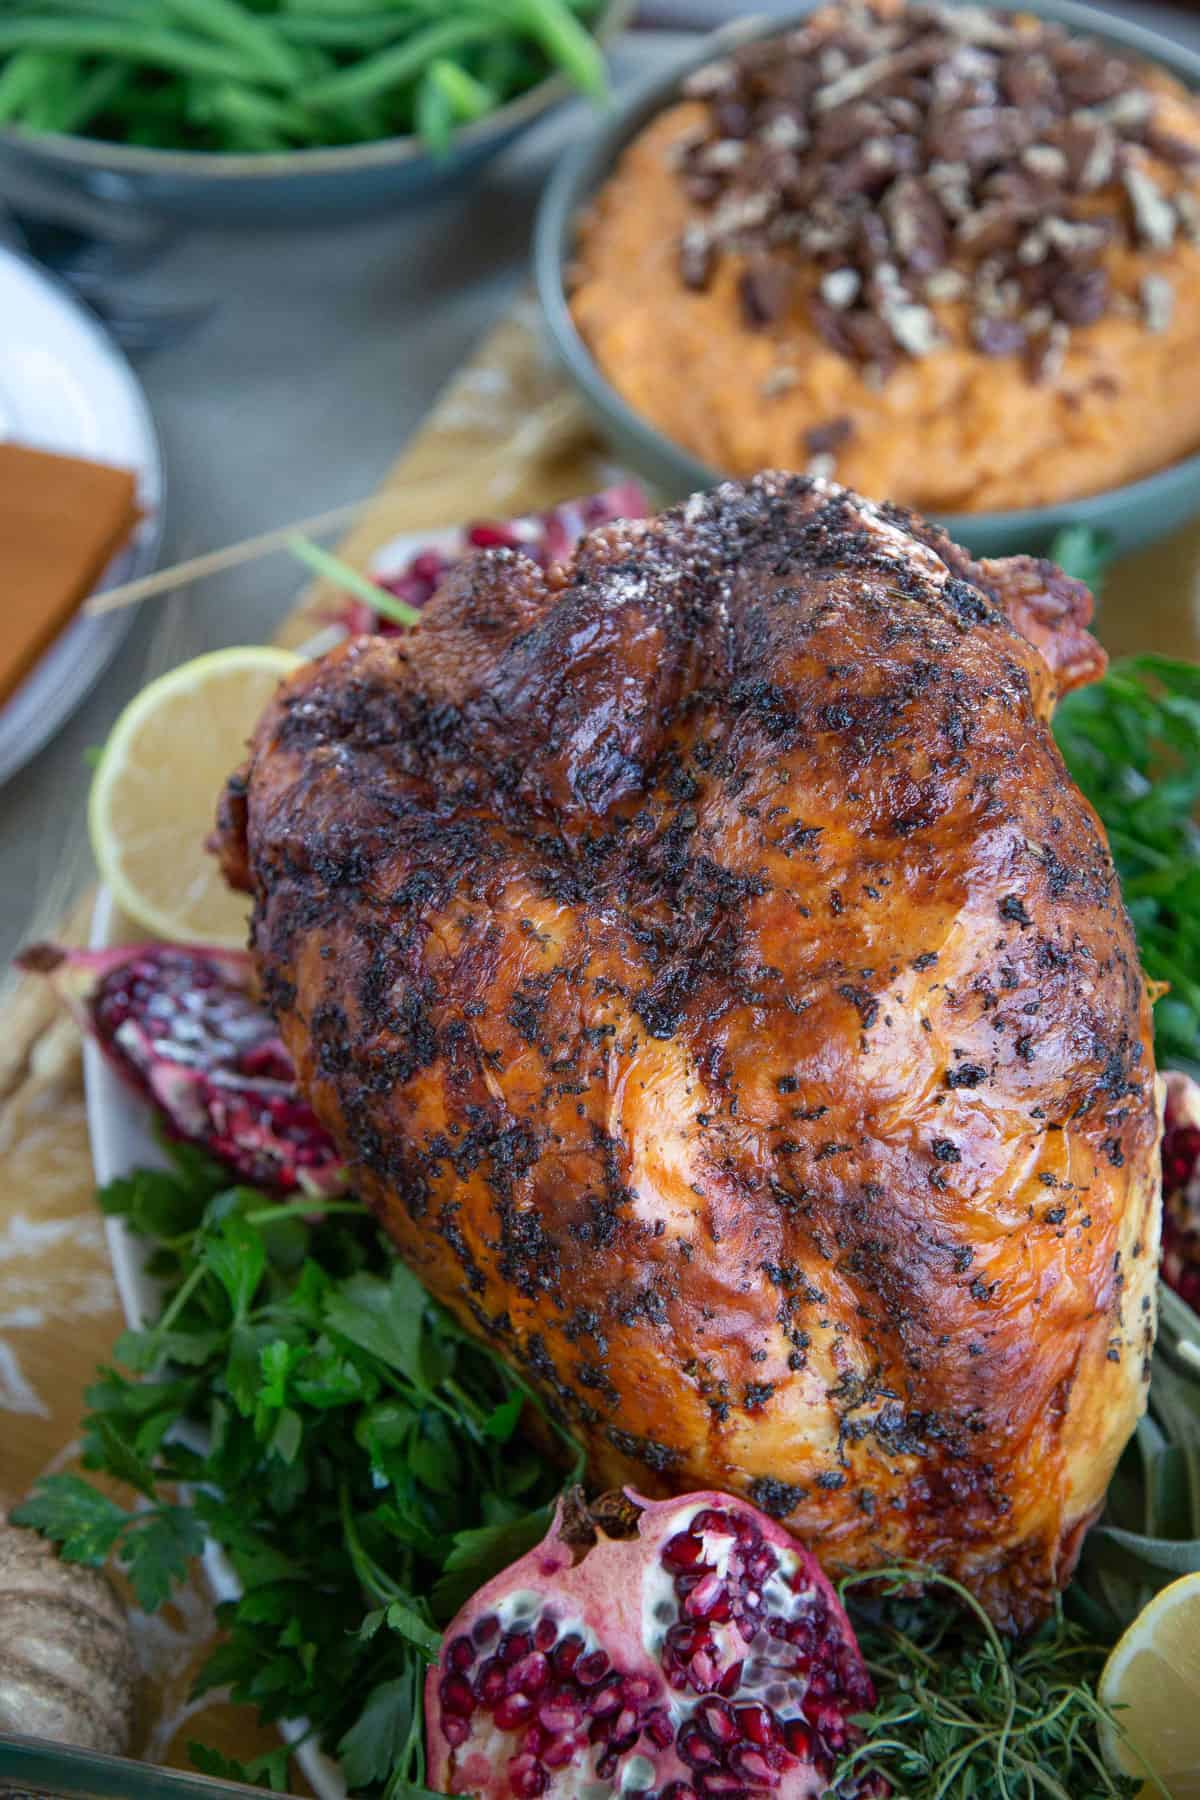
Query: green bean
(468, 98)
(564, 40)
(20, 80)
(49, 104)
(129, 12)
(377, 74)
(228, 23)
(337, 31)
(161, 49)
(222, 74)
(434, 115)
(262, 112)
(94, 95)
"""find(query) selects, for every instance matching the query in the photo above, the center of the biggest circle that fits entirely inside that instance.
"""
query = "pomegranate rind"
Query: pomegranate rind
(252, 1120)
(547, 537)
(1181, 1187)
(616, 1595)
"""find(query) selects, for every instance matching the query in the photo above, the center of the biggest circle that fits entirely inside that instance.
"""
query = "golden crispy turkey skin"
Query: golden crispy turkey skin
(724, 999)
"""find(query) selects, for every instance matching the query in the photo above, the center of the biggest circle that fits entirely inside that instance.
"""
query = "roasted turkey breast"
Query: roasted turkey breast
(723, 997)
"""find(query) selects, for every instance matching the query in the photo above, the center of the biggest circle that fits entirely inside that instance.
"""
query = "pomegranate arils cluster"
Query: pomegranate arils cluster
(1181, 1187)
(545, 537)
(708, 1657)
(183, 1028)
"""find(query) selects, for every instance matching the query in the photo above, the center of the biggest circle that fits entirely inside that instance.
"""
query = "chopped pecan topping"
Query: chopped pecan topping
(879, 162)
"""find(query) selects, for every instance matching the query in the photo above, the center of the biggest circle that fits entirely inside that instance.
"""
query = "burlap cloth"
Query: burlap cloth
(507, 436)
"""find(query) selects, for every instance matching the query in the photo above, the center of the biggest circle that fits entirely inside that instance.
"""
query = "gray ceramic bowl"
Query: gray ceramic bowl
(209, 188)
(1132, 515)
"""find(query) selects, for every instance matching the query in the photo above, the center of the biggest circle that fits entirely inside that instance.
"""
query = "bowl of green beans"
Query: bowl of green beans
(247, 110)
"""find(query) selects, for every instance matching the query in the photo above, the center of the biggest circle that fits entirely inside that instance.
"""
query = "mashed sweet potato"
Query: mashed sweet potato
(952, 429)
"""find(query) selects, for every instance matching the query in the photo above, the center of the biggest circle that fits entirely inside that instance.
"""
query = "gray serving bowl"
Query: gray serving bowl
(206, 187)
(1131, 516)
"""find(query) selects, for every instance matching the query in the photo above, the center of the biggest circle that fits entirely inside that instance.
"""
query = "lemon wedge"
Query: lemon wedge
(1151, 1682)
(154, 796)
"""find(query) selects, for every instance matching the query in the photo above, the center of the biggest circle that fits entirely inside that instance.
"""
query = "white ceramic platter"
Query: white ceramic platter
(122, 1138)
(64, 386)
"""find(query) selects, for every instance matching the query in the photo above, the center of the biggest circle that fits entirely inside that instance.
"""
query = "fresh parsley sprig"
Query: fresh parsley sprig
(1132, 743)
(302, 1401)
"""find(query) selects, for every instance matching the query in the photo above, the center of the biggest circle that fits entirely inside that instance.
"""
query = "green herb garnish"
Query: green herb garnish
(1132, 742)
(1083, 553)
(962, 1712)
(303, 1401)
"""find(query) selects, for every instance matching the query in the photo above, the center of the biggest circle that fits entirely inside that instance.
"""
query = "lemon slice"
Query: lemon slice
(154, 797)
(1152, 1683)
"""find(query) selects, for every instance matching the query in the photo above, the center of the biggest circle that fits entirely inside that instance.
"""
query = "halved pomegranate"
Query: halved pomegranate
(546, 537)
(1181, 1187)
(702, 1654)
(182, 1025)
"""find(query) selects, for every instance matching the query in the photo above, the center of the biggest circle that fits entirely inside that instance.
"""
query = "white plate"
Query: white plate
(122, 1139)
(64, 386)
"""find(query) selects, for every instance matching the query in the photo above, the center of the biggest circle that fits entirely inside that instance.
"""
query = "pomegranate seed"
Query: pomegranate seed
(491, 1683)
(695, 1748)
(748, 1529)
(682, 1551)
(704, 1598)
(512, 1711)
(461, 1654)
(545, 1634)
(625, 1722)
(536, 1740)
(659, 1730)
(427, 566)
(559, 1753)
(457, 1696)
(797, 1737)
(560, 1713)
(485, 1629)
(702, 1671)
(567, 1654)
(527, 1778)
(636, 1688)
(590, 1668)
(605, 1699)
(718, 1721)
(717, 1781)
(714, 1524)
(531, 1674)
(455, 1731)
(753, 1767)
(516, 1645)
(619, 1745)
(731, 1680)
(606, 1766)
(755, 1722)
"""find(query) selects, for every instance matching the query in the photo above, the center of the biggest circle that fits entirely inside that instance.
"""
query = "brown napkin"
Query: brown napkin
(61, 521)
